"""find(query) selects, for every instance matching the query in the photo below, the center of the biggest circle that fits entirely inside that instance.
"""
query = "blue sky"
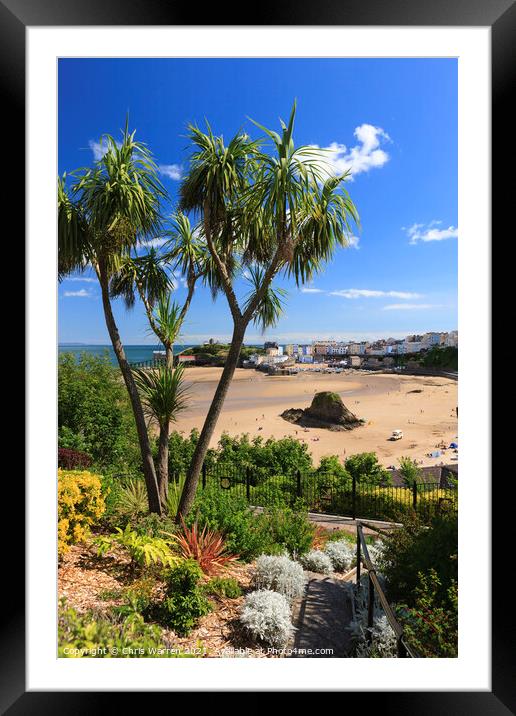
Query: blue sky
(393, 122)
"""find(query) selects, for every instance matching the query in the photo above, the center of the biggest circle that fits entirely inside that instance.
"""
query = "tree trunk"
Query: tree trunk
(169, 354)
(163, 465)
(192, 477)
(139, 418)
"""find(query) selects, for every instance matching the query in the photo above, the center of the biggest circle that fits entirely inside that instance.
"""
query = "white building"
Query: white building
(452, 339)
(337, 349)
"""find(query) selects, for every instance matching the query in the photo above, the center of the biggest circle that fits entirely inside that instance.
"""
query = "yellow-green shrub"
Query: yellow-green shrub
(79, 505)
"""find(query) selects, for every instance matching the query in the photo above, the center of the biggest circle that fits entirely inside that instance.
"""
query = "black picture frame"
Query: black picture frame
(15, 16)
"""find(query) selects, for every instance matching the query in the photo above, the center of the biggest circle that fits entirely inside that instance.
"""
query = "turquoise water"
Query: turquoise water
(134, 354)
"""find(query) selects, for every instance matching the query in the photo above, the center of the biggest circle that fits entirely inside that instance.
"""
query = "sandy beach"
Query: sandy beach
(386, 402)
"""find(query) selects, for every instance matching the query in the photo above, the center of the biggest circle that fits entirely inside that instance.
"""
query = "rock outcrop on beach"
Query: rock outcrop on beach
(326, 411)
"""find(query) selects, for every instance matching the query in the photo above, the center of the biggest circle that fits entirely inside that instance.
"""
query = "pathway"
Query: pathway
(321, 619)
(348, 524)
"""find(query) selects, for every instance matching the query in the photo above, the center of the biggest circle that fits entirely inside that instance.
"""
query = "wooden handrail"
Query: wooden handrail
(363, 554)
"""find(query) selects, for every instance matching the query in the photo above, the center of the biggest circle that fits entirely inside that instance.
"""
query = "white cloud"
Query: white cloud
(307, 289)
(336, 158)
(353, 293)
(82, 293)
(409, 307)
(430, 232)
(179, 280)
(172, 171)
(156, 243)
(100, 148)
(85, 279)
(353, 242)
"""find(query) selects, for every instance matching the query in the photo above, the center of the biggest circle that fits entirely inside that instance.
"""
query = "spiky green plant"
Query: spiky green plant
(132, 499)
(164, 396)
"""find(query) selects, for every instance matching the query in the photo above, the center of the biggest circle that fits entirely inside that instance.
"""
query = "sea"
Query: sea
(134, 354)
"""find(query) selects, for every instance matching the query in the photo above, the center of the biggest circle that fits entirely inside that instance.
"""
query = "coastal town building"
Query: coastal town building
(357, 349)
(321, 351)
(452, 339)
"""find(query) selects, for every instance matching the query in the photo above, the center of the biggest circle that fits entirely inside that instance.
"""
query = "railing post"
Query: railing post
(402, 652)
(414, 495)
(204, 475)
(359, 559)
(354, 498)
(299, 488)
(248, 483)
(370, 607)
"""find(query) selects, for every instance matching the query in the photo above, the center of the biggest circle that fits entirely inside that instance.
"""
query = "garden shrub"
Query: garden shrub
(94, 407)
(79, 505)
(69, 459)
(223, 587)
(330, 465)
(91, 635)
(235, 454)
(376, 551)
(69, 440)
(287, 528)
(266, 616)
(381, 643)
(185, 601)
(317, 561)
(366, 469)
(431, 625)
(138, 596)
(279, 574)
(153, 525)
(416, 548)
(231, 515)
(341, 554)
(143, 549)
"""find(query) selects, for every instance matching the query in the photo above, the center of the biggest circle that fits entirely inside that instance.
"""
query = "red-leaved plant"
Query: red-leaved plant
(206, 547)
(69, 459)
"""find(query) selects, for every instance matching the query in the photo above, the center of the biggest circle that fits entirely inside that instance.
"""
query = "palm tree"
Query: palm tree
(164, 396)
(278, 212)
(147, 275)
(105, 215)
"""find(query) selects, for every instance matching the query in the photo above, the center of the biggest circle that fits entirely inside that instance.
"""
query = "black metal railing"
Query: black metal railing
(152, 363)
(328, 493)
(403, 648)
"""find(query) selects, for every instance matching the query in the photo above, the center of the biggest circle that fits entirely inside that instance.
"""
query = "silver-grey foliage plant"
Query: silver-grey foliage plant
(266, 616)
(317, 561)
(341, 554)
(280, 574)
(382, 644)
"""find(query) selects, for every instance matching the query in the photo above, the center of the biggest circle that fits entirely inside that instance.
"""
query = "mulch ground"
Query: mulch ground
(93, 583)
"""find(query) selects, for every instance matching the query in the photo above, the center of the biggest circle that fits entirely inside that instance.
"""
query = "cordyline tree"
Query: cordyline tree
(149, 277)
(268, 212)
(108, 211)
(162, 391)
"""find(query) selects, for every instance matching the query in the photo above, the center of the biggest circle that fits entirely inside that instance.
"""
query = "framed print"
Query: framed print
(243, 361)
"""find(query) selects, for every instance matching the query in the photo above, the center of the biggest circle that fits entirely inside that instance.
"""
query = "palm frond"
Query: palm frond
(167, 315)
(74, 239)
(163, 392)
(120, 196)
(271, 307)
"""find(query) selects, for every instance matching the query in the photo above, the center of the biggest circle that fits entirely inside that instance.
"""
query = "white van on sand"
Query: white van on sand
(396, 435)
